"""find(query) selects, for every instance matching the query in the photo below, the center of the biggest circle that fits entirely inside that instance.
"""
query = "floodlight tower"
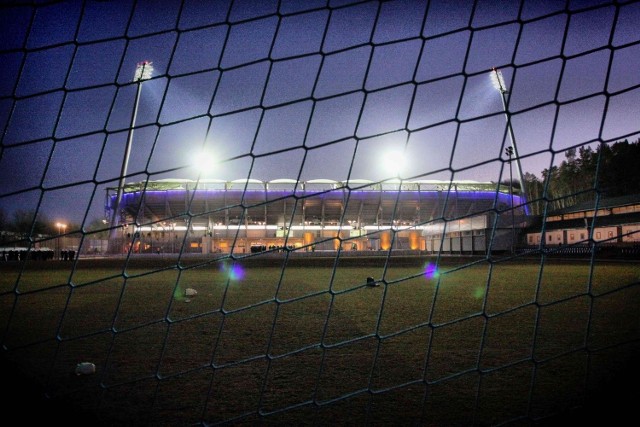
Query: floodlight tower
(144, 70)
(61, 227)
(498, 83)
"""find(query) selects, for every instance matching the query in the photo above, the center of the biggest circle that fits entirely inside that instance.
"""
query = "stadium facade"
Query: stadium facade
(248, 215)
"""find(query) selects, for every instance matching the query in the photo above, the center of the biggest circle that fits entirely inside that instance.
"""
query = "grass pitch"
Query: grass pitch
(460, 343)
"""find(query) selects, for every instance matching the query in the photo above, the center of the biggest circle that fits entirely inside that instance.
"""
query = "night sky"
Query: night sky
(308, 89)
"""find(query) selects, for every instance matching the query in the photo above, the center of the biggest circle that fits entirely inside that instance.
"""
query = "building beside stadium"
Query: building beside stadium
(612, 221)
(249, 215)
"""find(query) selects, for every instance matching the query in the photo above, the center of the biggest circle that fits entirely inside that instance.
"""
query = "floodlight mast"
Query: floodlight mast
(144, 70)
(498, 83)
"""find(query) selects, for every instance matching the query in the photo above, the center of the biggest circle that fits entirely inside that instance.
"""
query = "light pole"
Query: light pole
(498, 83)
(61, 227)
(173, 237)
(144, 70)
(122, 248)
(509, 152)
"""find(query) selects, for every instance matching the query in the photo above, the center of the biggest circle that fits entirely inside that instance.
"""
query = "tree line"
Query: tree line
(22, 224)
(611, 170)
(26, 223)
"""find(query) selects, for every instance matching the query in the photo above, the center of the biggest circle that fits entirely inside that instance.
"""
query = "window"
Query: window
(571, 236)
(549, 237)
(597, 235)
(581, 236)
(574, 215)
(610, 234)
(530, 238)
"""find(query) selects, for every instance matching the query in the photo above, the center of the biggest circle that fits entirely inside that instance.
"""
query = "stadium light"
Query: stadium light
(395, 163)
(203, 162)
(498, 83)
(144, 70)
(498, 80)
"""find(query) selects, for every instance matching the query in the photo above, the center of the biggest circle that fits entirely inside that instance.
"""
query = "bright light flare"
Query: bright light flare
(498, 80)
(395, 163)
(479, 292)
(431, 271)
(234, 272)
(204, 162)
(144, 70)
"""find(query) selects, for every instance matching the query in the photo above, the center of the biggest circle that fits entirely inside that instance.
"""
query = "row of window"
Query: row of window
(572, 236)
(600, 212)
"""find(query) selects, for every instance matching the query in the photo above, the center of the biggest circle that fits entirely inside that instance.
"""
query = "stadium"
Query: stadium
(248, 215)
(336, 301)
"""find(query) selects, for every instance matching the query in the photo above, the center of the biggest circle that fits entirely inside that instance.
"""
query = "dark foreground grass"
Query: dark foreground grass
(469, 343)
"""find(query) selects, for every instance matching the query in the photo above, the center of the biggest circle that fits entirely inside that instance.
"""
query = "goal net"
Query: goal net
(413, 212)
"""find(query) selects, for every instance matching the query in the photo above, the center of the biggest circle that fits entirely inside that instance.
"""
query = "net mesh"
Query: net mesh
(473, 326)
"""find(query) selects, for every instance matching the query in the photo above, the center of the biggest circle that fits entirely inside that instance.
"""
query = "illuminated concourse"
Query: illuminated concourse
(244, 216)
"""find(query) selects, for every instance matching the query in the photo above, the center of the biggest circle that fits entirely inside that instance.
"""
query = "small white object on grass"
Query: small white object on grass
(85, 368)
(190, 292)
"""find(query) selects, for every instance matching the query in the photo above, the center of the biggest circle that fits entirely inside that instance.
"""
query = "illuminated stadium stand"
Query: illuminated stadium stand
(316, 215)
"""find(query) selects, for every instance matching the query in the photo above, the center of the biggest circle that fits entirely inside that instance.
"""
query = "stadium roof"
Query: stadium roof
(361, 184)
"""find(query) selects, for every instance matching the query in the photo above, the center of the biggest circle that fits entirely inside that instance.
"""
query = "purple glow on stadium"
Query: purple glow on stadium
(473, 195)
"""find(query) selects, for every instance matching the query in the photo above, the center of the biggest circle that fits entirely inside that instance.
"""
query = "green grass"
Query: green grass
(480, 343)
